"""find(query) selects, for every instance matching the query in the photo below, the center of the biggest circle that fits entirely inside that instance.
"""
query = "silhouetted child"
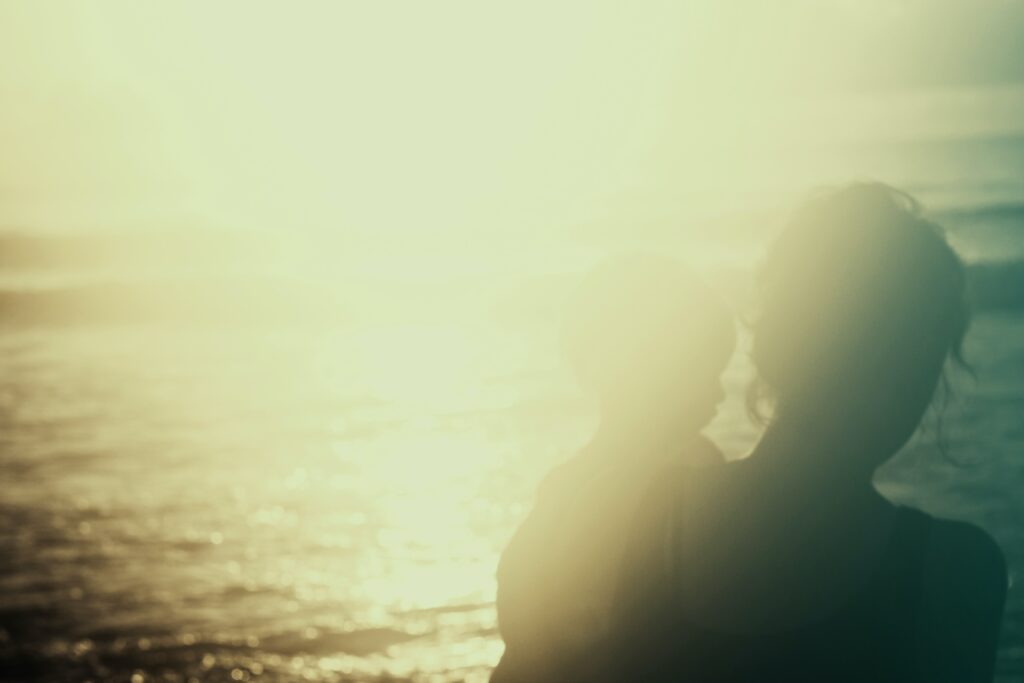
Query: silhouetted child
(650, 342)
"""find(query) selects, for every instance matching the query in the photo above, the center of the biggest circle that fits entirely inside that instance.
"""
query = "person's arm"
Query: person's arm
(965, 586)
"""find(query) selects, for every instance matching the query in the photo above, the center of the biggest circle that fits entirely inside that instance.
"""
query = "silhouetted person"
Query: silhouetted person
(788, 566)
(650, 342)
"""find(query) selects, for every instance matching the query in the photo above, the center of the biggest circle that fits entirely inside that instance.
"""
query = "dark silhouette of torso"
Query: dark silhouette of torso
(753, 580)
(869, 637)
(559, 575)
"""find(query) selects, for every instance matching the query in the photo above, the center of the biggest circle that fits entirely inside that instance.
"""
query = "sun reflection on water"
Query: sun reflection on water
(277, 504)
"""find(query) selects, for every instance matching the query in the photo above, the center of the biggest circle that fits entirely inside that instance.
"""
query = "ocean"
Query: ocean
(324, 497)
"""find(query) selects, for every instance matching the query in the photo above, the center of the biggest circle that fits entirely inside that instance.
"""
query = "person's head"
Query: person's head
(862, 303)
(651, 341)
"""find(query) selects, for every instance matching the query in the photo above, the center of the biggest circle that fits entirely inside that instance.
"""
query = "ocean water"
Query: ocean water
(327, 501)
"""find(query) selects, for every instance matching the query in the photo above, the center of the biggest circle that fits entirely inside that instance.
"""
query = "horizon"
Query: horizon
(253, 118)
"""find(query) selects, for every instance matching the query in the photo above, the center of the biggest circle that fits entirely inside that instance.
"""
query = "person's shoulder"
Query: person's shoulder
(965, 565)
(703, 452)
(563, 479)
(964, 546)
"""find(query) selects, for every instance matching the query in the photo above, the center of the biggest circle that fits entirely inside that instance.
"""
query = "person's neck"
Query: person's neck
(641, 440)
(822, 451)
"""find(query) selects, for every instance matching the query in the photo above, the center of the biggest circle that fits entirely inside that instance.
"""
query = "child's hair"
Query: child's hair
(635, 317)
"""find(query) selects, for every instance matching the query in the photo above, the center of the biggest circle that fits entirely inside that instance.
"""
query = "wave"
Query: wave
(996, 285)
(983, 213)
(220, 302)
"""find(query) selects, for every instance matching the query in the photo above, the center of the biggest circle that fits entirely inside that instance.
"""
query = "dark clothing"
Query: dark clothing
(558, 576)
(871, 637)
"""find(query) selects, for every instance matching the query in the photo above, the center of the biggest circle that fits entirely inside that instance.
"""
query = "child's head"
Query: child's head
(650, 340)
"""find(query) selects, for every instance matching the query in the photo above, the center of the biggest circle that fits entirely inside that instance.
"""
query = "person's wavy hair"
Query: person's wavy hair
(859, 294)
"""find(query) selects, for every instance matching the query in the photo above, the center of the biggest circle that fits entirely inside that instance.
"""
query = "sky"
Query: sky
(457, 120)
